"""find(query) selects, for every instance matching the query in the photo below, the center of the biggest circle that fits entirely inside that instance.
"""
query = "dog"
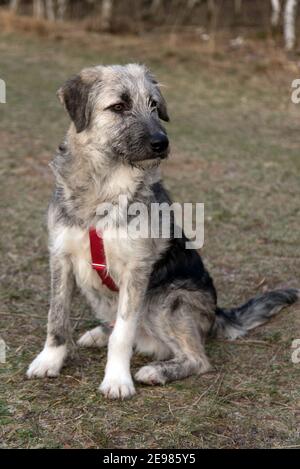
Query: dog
(166, 303)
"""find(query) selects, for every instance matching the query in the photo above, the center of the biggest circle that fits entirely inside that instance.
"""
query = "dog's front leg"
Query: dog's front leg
(50, 361)
(117, 382)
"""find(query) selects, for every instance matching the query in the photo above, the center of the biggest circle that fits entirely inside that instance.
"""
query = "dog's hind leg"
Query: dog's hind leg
(169, 370)
(181, 332)
(179, 367)
(50, 361)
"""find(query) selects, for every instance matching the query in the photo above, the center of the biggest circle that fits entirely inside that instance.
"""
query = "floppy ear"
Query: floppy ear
(162, 108)
(162, 105)
(74, 96)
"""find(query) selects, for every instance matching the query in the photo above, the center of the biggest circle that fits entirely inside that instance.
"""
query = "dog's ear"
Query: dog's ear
(162, 108)
(74, 95)
(162, 105)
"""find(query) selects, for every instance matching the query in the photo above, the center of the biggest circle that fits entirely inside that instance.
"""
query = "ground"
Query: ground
(235, 147)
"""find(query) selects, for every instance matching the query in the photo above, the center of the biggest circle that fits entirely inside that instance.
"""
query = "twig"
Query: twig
(171, 412)
(35, 316)
(246, 342)
(286, 447)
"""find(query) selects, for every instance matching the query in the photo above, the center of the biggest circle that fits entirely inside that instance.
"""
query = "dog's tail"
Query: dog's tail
(236, 322)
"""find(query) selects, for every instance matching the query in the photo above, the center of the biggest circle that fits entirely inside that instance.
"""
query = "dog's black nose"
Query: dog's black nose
(159, 142)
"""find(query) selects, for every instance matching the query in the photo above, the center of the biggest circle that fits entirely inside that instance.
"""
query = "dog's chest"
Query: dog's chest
(75, 242)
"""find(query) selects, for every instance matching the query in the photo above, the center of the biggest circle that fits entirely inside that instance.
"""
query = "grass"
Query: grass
(235, 147)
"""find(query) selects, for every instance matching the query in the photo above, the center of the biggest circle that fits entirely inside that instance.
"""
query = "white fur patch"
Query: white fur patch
(117, 381)
(75, 242)
(48, 363)
(118, 386)
(149, 375)
(93, 338)
(148, 345)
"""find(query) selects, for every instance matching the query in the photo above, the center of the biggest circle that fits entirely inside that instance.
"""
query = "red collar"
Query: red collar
(99, 260)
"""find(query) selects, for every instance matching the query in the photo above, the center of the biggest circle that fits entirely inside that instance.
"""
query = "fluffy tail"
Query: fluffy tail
(236, 322)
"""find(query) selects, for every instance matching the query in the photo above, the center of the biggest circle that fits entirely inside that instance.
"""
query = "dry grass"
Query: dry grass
(235, 140)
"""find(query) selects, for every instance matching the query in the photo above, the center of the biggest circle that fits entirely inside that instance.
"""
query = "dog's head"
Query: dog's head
(120, 109)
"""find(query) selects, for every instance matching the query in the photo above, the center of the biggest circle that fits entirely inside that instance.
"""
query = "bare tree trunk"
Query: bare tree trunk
(276, 8)
(38, 9)
(211, 6)
(192, 3)
(238, 6)
(61, 9)
(106, 14)
(155, 4)
(289, 24)
(14, 5)
(50, 10)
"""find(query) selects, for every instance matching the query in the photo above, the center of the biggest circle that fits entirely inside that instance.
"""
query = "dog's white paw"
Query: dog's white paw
(48, 363)
(149, 375)
(93, 338)
(117, 388)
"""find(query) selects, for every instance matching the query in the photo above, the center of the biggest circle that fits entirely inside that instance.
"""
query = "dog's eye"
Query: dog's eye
(119, 107)
(153, 104)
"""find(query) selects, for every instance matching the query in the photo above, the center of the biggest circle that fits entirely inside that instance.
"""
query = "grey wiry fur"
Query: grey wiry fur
(167, 303)
(236, 322)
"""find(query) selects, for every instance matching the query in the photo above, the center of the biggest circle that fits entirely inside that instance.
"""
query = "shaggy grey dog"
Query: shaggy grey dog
(167, 304)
